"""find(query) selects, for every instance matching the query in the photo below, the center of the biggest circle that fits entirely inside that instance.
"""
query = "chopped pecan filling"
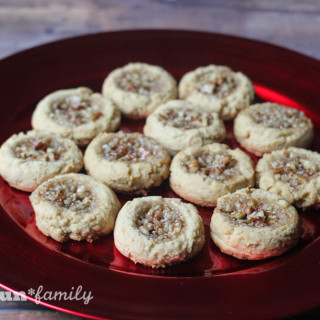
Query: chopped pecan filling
(185, 118)
(246, 210)
(69, 194)
(41, 149)
(220, 83)
(132, 147)
(159, 222)
(279, 117)
(295, 169)
(75, 111)
(139, 82)
(217, 166)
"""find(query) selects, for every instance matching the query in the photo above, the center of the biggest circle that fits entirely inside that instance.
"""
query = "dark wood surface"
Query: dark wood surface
(294, 24)
(25, 23)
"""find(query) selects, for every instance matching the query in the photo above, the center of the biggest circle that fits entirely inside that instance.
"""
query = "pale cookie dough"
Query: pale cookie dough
(179, 124)
(77, 114)
(157, 232)
(203, 174)
(74, 206)
(293, 173)
(254, 224)
(127, 162)
(28, 159)
(138, 89)
(266, 127)
(217, 89)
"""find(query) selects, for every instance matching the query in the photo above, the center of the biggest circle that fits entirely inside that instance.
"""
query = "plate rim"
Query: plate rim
(145, 31)
(157, 30)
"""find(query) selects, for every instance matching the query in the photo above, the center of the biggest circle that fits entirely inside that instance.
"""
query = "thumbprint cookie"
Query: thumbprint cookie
(127, 162)
(179, 124)
(203, 174)
(29, 159)
(137, 89)
(293, 173)
(254, 224)
(157, 232)
(77, 114)
(266, 127)
(74, 206)
(217, 89)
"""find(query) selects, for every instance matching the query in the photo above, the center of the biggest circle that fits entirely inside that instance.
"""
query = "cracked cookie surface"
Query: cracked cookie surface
(203, 174)
(217, 89)
(29, 159)
(179, 124)
(157, 231)
(266, 127)
(293, 173)
(138, 89)
(127, 162)
(78, 114)
(254, 224)
(74, 206)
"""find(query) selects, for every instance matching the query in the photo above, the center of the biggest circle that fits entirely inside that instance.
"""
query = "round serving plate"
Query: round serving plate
(210, 286)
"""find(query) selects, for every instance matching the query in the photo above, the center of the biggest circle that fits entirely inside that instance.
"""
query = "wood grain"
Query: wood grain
(290, 23)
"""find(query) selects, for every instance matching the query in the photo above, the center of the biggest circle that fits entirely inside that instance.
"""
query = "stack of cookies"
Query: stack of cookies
(182, 139)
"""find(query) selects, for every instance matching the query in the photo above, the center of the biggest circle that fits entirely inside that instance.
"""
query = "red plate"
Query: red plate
(212, 285)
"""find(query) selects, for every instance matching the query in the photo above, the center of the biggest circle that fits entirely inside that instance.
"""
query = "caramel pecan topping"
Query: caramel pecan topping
(244, 209)
(75, 111)
(41, 149)
(295, 169)
(216, 166)
(159, 222)
(280, 117)
(68, 194)
(139, 82)
(132, 147)
(185, 118)
(218, 83)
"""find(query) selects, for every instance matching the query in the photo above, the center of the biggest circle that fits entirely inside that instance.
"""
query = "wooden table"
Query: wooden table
(26, 23)
(293, 24)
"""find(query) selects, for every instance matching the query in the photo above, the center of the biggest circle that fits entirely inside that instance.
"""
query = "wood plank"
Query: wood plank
(293, 24)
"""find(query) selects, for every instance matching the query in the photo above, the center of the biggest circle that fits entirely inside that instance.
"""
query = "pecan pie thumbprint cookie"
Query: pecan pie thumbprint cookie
(157, 232)
(203, 174)
(29, 159)
(293, 173)
(78, 114)
(217, 89)
(127, 162)
(254, 224)
(179, 124)
(74, 206)
(266, 127)
(137, 89)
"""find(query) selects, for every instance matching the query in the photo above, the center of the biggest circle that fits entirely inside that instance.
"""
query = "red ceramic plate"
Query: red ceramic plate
(212, 285)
